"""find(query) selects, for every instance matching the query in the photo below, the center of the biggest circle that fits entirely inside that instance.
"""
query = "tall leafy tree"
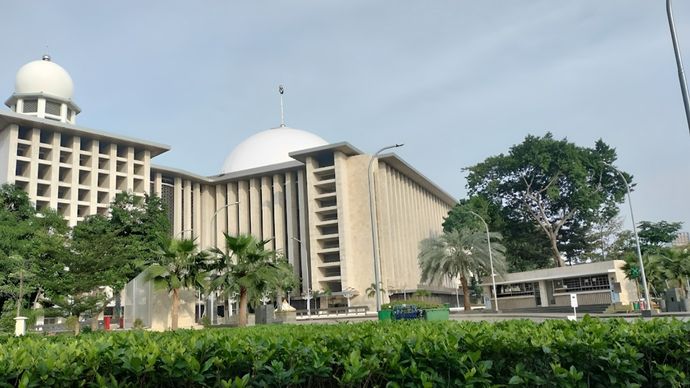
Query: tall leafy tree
(555, 185)
(459, 253)
(180, 266)
(246, 265)
(655, 235)
(121, 244)
(140, 225)
(31, 243)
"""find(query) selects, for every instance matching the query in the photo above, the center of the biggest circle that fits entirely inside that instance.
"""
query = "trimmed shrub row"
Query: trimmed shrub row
(415, 353)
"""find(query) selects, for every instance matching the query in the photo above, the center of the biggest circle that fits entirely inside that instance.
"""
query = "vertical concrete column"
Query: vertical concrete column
(41, 112)
(279, 213)
(234, 210)
(158, 183)
(398, 215)
(187, 209)
(112, 168)
(55, 167)
(74, 186)
(177, 207)
(147, 173)
(33, 166)
(9, 136)
(207, 207)
(302, 203)
(243, 193)
(543, 293)
(267, 211)
(93, 182)
(196, 214)
(409, 241)
(292, 227)
(255, 207)
(130, 168)
(220, 223)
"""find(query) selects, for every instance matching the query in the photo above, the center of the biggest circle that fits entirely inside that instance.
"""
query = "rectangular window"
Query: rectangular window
(53, 108)
(30, 106)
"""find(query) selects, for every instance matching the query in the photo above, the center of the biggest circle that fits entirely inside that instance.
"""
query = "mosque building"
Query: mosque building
(308, 196)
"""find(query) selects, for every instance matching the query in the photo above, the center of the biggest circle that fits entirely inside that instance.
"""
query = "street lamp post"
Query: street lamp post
(637, 240)
(180, 233)
(213, 219)
(215, 243)
(491, 259)
(374, 225)
(679, 62)
(307, 280)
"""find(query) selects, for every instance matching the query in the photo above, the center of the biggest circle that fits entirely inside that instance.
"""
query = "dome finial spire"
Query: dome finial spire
(281, 90)
(45, 56)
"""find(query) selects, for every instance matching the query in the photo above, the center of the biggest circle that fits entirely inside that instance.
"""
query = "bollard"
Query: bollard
(20, 326)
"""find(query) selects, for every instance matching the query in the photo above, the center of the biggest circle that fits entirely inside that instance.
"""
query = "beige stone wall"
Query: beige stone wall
(517, 302)
(407, 214)
(584, 298)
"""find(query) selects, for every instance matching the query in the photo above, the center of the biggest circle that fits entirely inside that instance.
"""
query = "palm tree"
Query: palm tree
(180, 266)
(459, 253)
(245, 265)
(653, 268)
(676, 265)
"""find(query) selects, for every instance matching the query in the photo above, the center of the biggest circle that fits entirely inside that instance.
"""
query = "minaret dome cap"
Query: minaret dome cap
(44, 77)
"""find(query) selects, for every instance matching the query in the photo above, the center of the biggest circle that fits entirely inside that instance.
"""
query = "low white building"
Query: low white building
(600, 283)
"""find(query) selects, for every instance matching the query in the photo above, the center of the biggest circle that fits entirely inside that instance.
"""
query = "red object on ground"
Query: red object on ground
(106, 322)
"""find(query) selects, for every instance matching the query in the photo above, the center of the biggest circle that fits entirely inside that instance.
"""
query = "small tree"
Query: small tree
(459, 253)
(179, 267)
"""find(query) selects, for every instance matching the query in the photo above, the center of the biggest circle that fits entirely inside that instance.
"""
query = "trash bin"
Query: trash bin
(636, 306)
(106, 322)
(385, 315)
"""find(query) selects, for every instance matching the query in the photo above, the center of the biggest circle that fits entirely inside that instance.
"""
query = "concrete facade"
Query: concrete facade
(313, 205)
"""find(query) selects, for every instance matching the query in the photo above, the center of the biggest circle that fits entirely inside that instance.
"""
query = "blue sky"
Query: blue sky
(456, 81)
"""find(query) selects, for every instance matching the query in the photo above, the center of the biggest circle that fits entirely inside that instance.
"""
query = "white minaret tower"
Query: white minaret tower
(44, 89)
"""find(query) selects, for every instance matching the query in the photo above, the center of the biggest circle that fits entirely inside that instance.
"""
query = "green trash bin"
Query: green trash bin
(385, 315)
(636, 306)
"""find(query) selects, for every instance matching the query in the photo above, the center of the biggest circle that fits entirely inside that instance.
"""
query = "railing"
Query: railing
(352, 310)
(49, 328)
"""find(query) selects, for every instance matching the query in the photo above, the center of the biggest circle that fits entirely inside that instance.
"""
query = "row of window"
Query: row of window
(52, 107)
(573, 284)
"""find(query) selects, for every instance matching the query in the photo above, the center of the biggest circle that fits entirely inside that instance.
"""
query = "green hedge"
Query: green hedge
(416, 353)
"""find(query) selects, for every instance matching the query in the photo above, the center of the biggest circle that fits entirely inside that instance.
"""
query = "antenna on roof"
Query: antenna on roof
(281, 90)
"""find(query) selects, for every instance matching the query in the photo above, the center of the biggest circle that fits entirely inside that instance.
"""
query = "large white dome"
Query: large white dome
(44, 76)
(269, 147)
